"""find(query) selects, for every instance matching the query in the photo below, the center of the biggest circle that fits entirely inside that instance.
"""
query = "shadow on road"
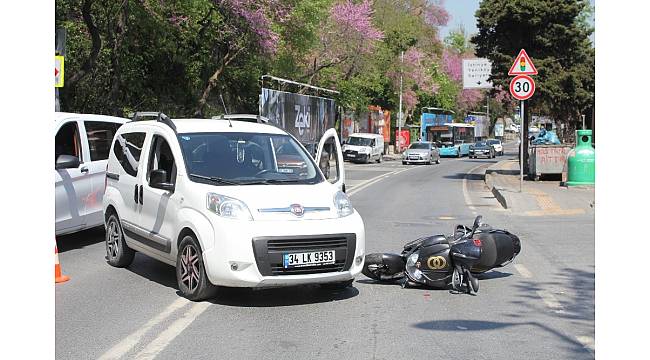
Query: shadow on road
(80, 239)
(477, 325)
(278, 297)
(460, 176)
(492, 275)
(165, 275)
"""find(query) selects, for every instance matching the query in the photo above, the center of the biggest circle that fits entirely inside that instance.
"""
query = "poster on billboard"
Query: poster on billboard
(498, 130)
(305, 117)
(481, 126)
(404, 140)
(347, 125)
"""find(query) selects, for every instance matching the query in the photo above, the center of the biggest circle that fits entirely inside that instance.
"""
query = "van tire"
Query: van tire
(190, 253)
(118, 253)
(379, 160)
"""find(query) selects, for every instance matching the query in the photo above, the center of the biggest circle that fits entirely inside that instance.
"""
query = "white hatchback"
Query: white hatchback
(230, 203)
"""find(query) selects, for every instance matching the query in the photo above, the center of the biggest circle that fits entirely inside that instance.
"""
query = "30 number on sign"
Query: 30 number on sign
(522, 87)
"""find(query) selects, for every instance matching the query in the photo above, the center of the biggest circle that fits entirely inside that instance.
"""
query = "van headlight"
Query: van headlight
(228, 207)
(342, 204)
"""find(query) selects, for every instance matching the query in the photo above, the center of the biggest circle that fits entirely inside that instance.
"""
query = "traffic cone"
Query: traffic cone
(58, 277)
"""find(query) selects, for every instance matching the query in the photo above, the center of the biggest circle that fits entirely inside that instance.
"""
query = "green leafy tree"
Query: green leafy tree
(556, 36)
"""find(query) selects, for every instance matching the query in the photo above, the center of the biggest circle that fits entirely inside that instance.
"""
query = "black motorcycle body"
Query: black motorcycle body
(439, 261)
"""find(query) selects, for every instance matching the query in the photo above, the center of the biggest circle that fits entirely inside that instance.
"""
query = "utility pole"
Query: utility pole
(399, 123)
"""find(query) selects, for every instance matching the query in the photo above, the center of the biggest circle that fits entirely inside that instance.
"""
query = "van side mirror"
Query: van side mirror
(158, 180)
(67, 162)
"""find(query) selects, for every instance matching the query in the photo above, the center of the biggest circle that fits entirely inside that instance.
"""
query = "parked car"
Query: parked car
(481, 148)
(363, 147)
(81, 146)
(497, 145)
(421, 153)
(211, 198)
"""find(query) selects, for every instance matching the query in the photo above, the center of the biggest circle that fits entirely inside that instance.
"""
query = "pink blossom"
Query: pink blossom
(452, 64)
(435, 13)
(356, 18)
(259, 16)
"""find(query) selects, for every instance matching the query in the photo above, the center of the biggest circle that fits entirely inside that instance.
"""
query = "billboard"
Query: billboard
(303, 116)
(404, 140)
(481, 125)
(430, 120)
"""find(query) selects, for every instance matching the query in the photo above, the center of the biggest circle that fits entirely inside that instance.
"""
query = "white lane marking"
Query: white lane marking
(366, 183)
(523, 271)
(468, 201)
(121, 348)
(159, 343)
(588, 342)
(550, 300)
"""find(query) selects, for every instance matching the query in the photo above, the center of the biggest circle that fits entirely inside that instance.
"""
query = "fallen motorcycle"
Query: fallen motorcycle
(440, 261)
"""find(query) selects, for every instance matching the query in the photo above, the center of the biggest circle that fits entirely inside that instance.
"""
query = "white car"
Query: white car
(218, 200)
(82, 142)
(497, 145)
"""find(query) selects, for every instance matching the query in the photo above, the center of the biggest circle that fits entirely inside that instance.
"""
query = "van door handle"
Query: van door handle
(141, 192)
(135, 194)
(84, 169)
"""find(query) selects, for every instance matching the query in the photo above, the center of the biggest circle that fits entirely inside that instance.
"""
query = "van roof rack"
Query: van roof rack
(243, 117)
(159, 117)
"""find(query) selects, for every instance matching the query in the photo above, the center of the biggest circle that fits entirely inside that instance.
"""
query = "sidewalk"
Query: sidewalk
(537, 198)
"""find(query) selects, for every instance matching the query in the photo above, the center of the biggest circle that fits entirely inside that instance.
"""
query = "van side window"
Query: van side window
(161, 157)
(67, 141)
(100, 134)
(127, 149)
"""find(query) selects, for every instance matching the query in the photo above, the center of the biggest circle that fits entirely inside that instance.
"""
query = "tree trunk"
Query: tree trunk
(212, 82)
(117, 38)
(89, 65)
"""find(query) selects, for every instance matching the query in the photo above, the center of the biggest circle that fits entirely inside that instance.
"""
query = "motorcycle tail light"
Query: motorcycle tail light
(477, 242)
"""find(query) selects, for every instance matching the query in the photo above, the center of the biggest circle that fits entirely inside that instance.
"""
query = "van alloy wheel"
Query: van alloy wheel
(112, 239)
(190, 268)
(118, 253)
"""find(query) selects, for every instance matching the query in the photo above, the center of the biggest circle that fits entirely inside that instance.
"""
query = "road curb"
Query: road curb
(489, 182)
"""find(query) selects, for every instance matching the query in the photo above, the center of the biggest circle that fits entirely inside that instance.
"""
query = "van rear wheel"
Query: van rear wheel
(118, 253)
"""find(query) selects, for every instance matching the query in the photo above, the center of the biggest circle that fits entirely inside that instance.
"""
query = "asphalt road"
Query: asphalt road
(539, 307)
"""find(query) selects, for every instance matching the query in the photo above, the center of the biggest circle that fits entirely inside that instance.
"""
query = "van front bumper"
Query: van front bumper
(250, 253)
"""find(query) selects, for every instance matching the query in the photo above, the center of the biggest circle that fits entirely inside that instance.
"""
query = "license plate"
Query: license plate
(308, 258)
(351, 155)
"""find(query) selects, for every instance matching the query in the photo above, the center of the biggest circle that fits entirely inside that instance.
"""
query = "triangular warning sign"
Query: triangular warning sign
(522, 65)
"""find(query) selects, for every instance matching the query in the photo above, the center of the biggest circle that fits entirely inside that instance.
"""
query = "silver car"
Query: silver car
(421, 153)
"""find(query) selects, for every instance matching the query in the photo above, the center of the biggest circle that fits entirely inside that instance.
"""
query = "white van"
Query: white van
(82, 142)
(364, 147)
(230, 203)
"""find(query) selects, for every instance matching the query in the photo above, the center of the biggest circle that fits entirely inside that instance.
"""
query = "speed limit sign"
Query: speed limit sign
(522, 87)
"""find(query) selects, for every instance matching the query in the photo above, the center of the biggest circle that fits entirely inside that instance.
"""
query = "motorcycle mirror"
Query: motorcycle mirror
(477, 223)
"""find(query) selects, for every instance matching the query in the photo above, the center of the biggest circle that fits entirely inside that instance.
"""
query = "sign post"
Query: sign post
(522, 87)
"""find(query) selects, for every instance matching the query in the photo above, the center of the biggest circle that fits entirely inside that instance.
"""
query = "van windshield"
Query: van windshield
(246, 159)
(359, 141)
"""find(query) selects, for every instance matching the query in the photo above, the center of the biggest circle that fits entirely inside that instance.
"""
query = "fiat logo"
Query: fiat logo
(297, 210)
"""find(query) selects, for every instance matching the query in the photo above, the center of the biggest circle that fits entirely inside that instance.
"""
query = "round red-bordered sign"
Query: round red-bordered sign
(522, 87)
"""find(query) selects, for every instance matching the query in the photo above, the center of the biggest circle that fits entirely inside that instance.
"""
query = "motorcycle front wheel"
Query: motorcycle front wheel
(375, 269)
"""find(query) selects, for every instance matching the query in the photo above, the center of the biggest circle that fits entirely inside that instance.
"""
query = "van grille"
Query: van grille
(269, 252)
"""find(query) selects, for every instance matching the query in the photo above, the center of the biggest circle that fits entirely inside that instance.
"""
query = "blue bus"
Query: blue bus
(453, 139)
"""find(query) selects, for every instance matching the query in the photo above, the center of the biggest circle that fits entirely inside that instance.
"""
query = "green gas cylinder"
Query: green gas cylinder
(582, 164)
